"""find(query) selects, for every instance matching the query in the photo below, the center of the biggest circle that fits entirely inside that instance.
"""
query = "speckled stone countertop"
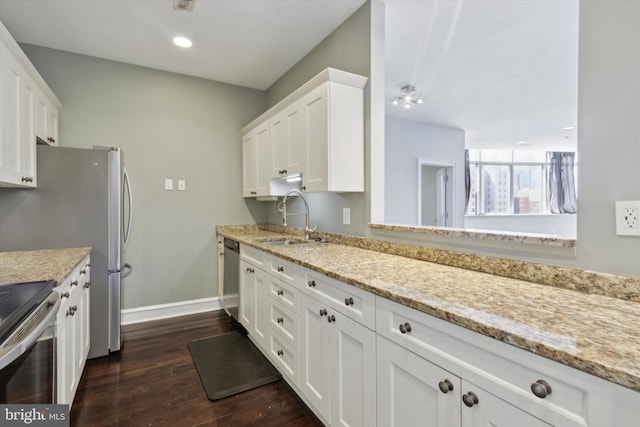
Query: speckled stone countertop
(28, 266)
(594, 333)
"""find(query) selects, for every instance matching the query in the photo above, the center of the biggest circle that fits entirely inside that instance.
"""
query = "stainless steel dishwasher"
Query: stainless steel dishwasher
(231, 283)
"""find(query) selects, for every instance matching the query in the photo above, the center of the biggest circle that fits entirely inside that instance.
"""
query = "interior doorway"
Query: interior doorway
(435, 194)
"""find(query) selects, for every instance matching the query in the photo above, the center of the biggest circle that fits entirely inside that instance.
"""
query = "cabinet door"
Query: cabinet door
(491, 411)
(247, 309)
(46, 119)
(17, 137)
(297, 147)
(249, 165)
(264, 162)
(316, 111)
(353, 369)
(315, 380)
(408, 390)
(63, 355)
(280, 145)
(262, 308)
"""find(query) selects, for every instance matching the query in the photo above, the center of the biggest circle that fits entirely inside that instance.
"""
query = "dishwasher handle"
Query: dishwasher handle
(231, 245)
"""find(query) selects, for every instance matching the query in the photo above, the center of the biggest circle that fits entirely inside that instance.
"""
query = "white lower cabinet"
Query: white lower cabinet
(72, 332)
(338, 374)
(362, 360)
(252, 311)
(409, 393)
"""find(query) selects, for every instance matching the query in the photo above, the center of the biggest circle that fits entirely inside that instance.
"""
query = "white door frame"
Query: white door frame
(452, 177)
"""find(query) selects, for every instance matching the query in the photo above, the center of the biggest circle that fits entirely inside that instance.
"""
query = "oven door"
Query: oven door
(28, 358)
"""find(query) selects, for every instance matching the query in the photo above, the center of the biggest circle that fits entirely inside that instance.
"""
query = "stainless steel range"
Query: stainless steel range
(27, 342)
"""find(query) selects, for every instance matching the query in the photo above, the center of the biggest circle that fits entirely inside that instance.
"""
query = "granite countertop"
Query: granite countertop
(593, 333)
(46, 264)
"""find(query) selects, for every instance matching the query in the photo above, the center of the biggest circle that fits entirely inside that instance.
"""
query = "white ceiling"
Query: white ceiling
(245, 42)
(505, 71)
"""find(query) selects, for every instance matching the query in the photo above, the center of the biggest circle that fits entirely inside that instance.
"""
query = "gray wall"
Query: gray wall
(348, 49)
(608, 137)
(406, 142)
(169, 126)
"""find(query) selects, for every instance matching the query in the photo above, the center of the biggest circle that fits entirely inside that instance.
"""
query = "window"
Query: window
(508, 182)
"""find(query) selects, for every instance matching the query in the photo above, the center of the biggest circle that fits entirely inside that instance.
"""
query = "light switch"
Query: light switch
(346, 216)
(168, 184)
(182, 185)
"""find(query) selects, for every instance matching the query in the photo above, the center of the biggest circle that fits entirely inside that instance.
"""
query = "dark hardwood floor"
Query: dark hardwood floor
(152, 381)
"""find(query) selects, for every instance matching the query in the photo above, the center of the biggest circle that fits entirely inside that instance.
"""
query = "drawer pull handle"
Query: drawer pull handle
(280, 320)
(405, 327)
(281, 269)
(280, 292)
(65, 295)
(87, 285)
(323, 312)
(26, 179)
(348, 301)
(541, 389)
(249, 270)
(445, 386)
(312, 283)
(280, 352)
(470, 399)
(331, 318)
(83, 271)
(74, 283)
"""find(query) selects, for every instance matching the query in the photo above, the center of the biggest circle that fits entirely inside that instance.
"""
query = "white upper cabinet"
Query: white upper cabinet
(318, 132)
(28, 108)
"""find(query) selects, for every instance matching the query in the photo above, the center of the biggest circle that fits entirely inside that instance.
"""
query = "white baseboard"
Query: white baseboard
(165, 311)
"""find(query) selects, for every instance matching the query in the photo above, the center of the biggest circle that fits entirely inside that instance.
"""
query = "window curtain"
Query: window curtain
(562, 184)
(467, 179)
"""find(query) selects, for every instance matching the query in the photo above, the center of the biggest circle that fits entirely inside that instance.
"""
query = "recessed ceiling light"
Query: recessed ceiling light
(522, 143)
(182, 41)
(568, 128)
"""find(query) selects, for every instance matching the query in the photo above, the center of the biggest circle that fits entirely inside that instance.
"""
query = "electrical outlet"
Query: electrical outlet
(182, 185)
(168, 184)
(627, 218)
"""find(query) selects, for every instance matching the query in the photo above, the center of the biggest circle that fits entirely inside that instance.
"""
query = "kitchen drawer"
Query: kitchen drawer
(286, 271)
(284, 322)
(502, 369)
(253, 256)
(286, 359)
(354, 303)
(286, 294)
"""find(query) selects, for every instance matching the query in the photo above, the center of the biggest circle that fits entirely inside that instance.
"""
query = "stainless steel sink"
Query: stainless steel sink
(279, 241)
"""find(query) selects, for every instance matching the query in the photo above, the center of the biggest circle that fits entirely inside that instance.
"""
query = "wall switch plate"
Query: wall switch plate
(346, 216)
(182, 185)
(628, 218)
(168, 184)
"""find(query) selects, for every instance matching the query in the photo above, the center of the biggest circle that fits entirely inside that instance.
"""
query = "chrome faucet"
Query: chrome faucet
(298, 193)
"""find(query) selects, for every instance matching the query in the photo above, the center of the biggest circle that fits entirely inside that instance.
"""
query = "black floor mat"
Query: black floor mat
(229, 364)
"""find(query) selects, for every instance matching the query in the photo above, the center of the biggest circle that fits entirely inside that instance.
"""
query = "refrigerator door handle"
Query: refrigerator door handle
(127, 234)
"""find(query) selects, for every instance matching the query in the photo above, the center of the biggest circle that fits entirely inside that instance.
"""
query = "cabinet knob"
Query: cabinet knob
(65, 295)
(323, 312)
(445, 386)
(348, 301)
(280, 292)
(312, 283)
(280, 320)
(541, 389)
(470, 399)
(304, 187)
(280, 352)
(331, 318)
(281, 269)
(405, 327)
(87, 285)
(51, 140)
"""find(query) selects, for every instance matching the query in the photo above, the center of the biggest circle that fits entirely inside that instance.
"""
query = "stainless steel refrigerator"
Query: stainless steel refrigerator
(83, 199)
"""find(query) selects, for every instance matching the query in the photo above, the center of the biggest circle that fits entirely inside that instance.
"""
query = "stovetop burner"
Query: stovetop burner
(18, 300)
